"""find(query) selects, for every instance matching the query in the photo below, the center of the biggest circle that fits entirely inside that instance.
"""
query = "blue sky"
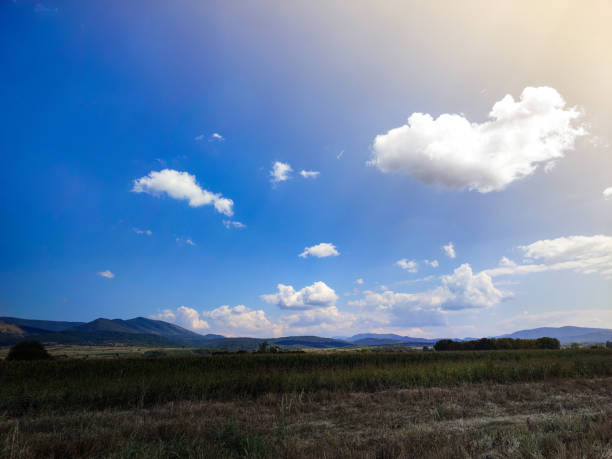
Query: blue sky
(187, 99)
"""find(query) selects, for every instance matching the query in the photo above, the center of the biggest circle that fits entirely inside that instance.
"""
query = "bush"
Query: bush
(487, 344)
(28, 350)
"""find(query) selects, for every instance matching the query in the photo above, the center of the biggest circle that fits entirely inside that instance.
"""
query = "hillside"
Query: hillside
(44, 325)
(566, 335)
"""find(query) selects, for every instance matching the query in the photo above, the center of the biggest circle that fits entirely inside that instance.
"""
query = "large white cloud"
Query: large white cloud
(457, 291)
(586, 254)
(452, 152)
(322, 250)
(241, 320)
(607, 193)
(183, 316)
(316, 295)
(182, 185)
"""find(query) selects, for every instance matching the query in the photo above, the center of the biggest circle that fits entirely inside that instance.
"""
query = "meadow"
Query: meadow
(527, 403)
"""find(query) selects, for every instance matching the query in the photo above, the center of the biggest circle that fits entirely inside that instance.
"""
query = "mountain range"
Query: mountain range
(148, 332)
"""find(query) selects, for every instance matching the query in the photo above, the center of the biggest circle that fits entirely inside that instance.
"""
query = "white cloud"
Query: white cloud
(309, 174)
(199, 138)
(322, 250)
(607, 193)
(452, 152)
(432, 263)
(339, 155)
(316, 295)
(449, 250)
(585, 254)
(216, 137)
(458, 291)
(183, 316)
(409, 265)
(241, 320)
(182, 241)
(108, 274)
(280, 172)
(359, 281)
(233, 224)
(182, 185)
(140, 231)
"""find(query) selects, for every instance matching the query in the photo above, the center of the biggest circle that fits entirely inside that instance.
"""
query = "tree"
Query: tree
(263, 347)
(28, 350)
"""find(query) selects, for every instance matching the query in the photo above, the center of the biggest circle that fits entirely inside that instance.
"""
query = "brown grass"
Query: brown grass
(563, 418)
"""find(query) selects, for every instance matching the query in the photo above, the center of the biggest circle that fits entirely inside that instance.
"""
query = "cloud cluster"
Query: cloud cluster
(460, 290)
(316, 295)
(409, 265)
(434, 263)
(182, 185)
(107, 274)
(607, 193)
(452, 152)
(241, 320)
(322, 250)
(183, 316)
(586, 254)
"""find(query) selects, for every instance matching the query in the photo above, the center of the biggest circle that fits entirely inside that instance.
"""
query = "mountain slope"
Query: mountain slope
(46, 325)
(566, 335)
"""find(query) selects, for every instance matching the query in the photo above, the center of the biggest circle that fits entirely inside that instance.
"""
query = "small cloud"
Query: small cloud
(309, 174)
(607, 193)
(340, 154)
(449, 250)
(359, 281)
(233, 224)
(199, 138)
(280, 172)
(139, 231)
(183, 186)
(322, 250)
(216, 137)
(183, 241)
(409, 265)
(432, 263)
(107, 274)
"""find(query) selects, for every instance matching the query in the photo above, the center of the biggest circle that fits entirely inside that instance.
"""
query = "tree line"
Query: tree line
(488, 344)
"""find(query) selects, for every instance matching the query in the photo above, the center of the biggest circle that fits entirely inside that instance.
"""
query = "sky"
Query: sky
(432, 169)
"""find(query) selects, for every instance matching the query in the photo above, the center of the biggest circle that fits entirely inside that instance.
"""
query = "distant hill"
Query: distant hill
(45, 325)
(141, 331)
(386, 339)
(566, 335)
(137, 325)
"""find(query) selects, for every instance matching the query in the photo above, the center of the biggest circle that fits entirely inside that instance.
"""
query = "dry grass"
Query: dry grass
(563, 418)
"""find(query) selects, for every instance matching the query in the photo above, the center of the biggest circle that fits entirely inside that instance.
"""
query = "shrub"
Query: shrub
(28, 350)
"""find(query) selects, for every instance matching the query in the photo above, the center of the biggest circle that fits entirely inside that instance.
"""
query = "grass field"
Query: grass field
(418, 404)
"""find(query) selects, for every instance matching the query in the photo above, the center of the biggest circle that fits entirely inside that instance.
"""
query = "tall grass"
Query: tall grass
(139, 382)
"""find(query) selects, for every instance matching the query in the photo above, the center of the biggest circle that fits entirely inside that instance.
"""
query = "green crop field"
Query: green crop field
(68, 407)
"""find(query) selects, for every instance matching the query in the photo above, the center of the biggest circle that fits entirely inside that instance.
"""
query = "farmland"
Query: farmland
(550, 403)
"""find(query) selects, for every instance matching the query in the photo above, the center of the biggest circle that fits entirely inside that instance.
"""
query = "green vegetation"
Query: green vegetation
(28, 350)
(141, 382)
(490, 344)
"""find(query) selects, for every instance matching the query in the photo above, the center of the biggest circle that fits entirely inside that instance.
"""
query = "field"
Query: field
(540, 403)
